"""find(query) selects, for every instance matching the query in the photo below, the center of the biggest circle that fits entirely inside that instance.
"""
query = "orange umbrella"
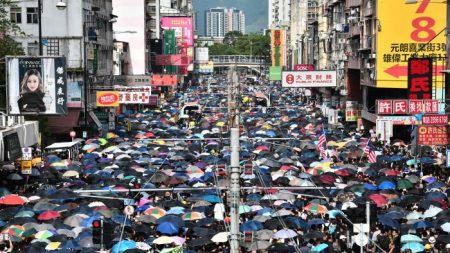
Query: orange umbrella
(12, 200)
(49, 215)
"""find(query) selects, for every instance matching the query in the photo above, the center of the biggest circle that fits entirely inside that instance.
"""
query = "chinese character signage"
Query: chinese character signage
(107, 98)
(183, 27)
(278, 46)
(275, 73)
(416, 34)
(132, 80)
(36, 85)
(435, 119)
(420, 78)
(173, 59)
(306, 79)
(352, 115)
(134, 97)
(164, 80)
(405, 106)
(433, 135)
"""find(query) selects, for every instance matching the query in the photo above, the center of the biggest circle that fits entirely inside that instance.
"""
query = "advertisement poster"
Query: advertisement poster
(36, 85)
(107, 98)
(73, 95)
(418, 33)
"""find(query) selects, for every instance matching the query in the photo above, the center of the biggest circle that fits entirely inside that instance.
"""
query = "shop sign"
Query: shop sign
(26, 166)
(405, 106)
(433, 135)
(352, 115)
(107, 98)
(134, 97)
(420, 78)
(307, 79)
(303, 67)
(400, 120)
(437, 119)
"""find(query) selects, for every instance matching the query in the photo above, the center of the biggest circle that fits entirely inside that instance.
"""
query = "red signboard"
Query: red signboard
(433, 135)
(173, 59)
(303, 67)
(436, 119)
(420, 77)
(384, 107)
(164, 80)
(405, 106)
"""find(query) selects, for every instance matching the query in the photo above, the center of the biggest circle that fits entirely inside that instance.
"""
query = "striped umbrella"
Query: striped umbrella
(193, 216)
(156, 212)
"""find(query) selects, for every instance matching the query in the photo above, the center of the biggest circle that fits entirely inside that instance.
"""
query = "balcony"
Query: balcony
(352, 3)
(354, 30)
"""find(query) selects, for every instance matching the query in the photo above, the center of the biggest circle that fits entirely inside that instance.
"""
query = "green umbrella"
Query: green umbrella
(24, 214)
(29, 232)
(357, 188)
(244, 209)
(404, 184)
(4, 191)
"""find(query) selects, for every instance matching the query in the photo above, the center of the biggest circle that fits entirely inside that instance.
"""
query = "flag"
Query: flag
(321, 142)
(369, 151)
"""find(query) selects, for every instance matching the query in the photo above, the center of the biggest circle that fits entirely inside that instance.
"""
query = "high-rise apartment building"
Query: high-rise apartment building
(220, 21)
(279, 13)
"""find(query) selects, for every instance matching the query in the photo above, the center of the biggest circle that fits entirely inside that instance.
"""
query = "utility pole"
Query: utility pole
(235, 188)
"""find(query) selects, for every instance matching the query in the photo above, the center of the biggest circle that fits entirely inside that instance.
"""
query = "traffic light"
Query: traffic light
(97, 227)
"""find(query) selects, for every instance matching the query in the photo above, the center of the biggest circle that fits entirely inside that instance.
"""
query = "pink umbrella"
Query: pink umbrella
(379, 199)
(49, 215)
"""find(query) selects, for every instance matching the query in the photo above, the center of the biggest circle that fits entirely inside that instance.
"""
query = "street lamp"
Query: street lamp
(61, 6)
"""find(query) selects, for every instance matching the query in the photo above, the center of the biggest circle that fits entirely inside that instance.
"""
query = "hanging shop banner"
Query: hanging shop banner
(405, 106)
(164, 80)
(416, 34)
(435, 119)
(278, 38)
(433, 135)
(420, 78)
(400, 120)
(308, 79)
(207, 68)
(107, 98)
(447, 155)
(36, 85)
(275, 73)
(134, 97)
(384, 129)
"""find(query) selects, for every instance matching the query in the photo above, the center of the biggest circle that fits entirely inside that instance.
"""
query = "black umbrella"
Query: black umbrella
(281, 248)
(313, 235)
(8, 213)
(273, 223)
(63, 194)
(199, 242)
(204, 232)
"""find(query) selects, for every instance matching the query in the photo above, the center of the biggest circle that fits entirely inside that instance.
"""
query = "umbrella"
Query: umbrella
(361, 239)
(410, 238)
(319, 247)
(49, 215)
(220, 237)
(379, 200)
(156, 212)
(251, 225)
(284, 234)
(12, 200)
(259, 245)
(193, 216)
(264, 234)
(413, 246)
(316, 208)
(163, 240)
(404, 184)
(167, 228)
(123, 246)
(422, 225)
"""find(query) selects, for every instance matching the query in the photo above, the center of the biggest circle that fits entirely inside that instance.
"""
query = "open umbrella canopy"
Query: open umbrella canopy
(12, 200)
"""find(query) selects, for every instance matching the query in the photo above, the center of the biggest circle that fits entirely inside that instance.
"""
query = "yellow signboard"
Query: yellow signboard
(26, 167)
(404, 31)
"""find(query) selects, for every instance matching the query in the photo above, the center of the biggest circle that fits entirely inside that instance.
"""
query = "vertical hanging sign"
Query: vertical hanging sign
(420, 77)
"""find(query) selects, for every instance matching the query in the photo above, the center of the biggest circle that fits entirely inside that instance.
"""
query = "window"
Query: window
(32, 16)
(33, 49)
(53, 47)
(16, 15)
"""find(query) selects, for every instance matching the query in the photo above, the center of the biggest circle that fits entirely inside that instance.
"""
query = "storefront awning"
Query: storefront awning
(64, 124)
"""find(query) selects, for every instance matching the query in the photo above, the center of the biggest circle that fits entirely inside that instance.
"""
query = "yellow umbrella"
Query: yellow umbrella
(71, 173)
(163, 240)
(36, 161)
(159, 142)
(332, 143)
(53, 246)
(220, 124)
(111, 135)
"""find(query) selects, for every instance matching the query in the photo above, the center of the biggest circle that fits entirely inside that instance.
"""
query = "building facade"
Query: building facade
(279, 13)
(220, 21)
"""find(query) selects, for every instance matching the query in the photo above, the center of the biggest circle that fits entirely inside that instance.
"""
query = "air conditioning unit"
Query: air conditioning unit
(339, 27)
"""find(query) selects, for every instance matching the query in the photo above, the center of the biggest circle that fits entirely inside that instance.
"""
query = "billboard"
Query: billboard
(307, 79)
(278, 43)
(107, 98)
(201, 55)
(416, 34)
(183, 27)
(172, 60)
(73, 95)
(36, 85)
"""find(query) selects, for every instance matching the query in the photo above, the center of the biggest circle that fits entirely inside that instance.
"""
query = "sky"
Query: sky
(255, 18)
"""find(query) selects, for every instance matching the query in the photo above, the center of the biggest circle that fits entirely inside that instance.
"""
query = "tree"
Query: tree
(231, 38)
(8, 46)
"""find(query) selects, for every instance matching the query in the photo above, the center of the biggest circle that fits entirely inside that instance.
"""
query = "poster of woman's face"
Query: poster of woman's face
(36, 85)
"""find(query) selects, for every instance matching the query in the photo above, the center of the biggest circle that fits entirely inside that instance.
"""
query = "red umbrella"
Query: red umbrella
(327, 179)
(12, 200)
(392, 172)
(149, 134)
(49, 215)
(379, 199)
(342, 173)
(262, 148)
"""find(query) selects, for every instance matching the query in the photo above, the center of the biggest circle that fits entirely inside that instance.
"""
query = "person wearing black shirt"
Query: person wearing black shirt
(31, 95)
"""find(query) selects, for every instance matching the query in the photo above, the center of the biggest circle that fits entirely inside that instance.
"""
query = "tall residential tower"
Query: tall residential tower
(220, 21)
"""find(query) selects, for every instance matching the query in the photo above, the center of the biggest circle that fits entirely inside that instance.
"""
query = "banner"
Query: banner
(36, 85)
(275, 73)
(405, 106)
(183, 27)
(303, 67)
(132, 80)
(134, 97)
(107, 98)
(418, 33)
(307, 79)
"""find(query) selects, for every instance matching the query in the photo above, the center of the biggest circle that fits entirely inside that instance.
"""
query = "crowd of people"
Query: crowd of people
(306, 186)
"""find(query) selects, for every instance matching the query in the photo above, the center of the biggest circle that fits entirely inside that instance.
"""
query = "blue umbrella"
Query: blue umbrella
(319, 247)
(266, 211)
(388, 222)
(254, 197)
(172, 219)
(386, 185)
(436, 184)
(422, 224)
(315, 222)
(167, 228)
(435, 196)
(394, 215)
(212, 198)
(413, 246)
(251, 225)
(123, 246)
(396, 158)
(370, 187)
(296, 221)
(121, 219)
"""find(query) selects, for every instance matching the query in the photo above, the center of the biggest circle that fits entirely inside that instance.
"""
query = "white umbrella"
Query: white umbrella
(220, 237)
(431, 212)
(414, 215)
(446, 227)
(285, 233)
(348, 205)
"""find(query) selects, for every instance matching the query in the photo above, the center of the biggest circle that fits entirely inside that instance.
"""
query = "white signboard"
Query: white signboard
(27, 154)
(202, 54)
(134, 97)
(384, 130)
(305, 79)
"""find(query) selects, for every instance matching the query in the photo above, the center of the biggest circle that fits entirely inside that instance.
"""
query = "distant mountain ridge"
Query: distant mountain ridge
(255, 12)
